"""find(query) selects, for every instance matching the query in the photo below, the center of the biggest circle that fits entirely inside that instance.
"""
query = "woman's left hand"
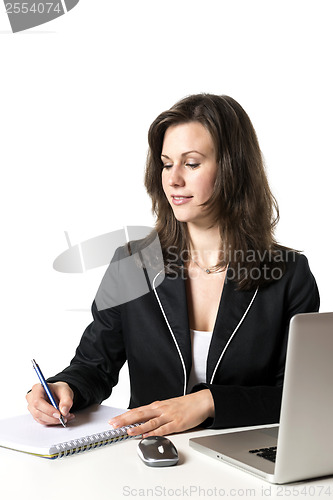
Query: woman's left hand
(168, 416)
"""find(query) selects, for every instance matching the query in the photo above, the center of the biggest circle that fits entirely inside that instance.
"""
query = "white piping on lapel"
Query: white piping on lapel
(232, 335)
(170, 329)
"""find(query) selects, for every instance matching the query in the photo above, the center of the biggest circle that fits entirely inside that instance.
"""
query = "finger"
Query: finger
(137, 415)
(40, 407)
(151, 427)
(65, 402)
(38, 401)
(36, 392)
(46, 418)
(163, 430)
(64, 395)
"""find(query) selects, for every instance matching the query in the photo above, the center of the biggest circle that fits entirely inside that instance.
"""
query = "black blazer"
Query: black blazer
(246, 358)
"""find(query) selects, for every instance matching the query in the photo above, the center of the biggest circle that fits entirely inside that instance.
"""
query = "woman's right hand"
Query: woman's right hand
(40, 407)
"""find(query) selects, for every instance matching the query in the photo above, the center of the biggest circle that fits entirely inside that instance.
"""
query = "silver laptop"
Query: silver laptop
(301, 447)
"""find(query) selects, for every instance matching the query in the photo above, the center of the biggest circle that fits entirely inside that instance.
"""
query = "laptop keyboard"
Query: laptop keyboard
(267, 453)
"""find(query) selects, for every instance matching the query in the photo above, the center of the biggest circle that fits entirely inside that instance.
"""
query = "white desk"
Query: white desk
(116, 472)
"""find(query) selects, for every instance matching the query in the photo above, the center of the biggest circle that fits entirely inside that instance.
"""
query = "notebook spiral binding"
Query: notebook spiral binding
(91, 442)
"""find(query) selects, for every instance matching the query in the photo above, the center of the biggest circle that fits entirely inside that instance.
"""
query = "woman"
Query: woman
(207, 345)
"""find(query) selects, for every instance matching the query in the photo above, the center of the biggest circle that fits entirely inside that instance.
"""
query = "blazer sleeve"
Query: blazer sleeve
(237, 406)
(101, 353)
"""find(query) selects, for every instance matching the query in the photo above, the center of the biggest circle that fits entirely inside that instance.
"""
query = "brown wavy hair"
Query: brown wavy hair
(242, 203)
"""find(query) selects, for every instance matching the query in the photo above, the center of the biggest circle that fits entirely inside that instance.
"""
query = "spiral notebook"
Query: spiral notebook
(89, 430)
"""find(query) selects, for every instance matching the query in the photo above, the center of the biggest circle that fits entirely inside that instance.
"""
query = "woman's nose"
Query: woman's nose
(176, 177)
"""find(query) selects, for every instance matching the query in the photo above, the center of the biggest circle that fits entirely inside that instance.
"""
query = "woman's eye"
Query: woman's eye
(193, 165)
(167, 165)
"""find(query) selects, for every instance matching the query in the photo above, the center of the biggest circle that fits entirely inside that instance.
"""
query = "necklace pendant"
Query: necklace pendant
(208, 271)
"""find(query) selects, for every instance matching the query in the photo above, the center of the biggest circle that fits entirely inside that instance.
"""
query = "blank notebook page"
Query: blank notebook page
(22, 433)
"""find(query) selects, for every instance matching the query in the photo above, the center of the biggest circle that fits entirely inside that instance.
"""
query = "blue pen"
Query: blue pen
(47, 390)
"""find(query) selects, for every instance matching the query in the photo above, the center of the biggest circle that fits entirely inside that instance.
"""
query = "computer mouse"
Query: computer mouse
(157, 451)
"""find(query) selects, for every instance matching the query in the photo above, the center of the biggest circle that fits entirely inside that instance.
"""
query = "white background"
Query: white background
(77, 96)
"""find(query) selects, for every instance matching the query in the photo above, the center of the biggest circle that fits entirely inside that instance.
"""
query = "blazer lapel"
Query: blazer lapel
(172, 295)
(234, 305)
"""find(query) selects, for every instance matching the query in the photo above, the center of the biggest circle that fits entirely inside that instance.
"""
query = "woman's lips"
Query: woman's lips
(180, 200)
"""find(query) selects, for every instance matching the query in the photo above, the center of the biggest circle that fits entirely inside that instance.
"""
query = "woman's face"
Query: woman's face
(190, 169)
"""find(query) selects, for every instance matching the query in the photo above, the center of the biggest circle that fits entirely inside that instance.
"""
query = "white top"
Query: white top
(200, 342)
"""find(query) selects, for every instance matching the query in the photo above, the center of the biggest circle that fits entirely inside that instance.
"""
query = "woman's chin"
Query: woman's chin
(193, 219)
(182, 218)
